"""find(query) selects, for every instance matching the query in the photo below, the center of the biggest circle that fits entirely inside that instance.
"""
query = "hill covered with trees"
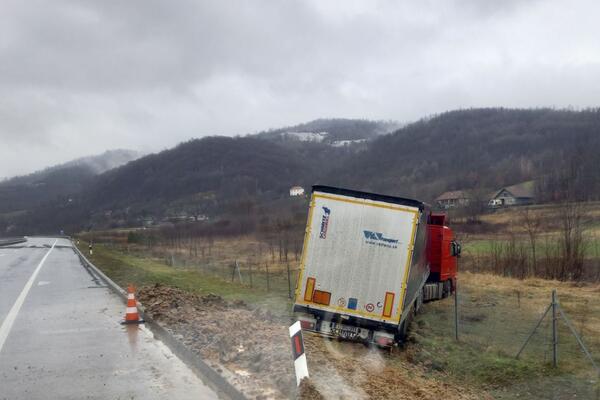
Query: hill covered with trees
(482, 148)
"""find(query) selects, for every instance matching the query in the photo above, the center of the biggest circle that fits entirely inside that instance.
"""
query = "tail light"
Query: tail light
(383, 339)
(308, 324)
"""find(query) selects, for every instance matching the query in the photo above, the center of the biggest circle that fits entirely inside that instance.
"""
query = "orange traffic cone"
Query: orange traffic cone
(131, 314)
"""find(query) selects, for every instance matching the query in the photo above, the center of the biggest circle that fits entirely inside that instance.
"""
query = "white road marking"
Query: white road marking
(42, 283)
(14, 311)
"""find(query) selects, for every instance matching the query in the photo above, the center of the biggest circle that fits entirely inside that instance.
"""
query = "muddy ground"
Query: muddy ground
(252, 348)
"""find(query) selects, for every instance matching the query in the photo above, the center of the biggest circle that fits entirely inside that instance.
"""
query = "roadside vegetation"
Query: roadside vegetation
(553, 241)
(500, 300)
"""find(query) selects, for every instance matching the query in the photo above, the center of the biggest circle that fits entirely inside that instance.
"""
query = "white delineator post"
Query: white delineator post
(298, 351)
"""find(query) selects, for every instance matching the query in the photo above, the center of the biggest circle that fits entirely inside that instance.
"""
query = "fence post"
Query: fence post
(239, 271)
(289, 281)
(267, 269)
(554, 331)
(250, 266)
(456, 309)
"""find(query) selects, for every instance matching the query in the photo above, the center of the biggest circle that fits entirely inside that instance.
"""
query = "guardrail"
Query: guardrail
(9, 241)
(219, 382)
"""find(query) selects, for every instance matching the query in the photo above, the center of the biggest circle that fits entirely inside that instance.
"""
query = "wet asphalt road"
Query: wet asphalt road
(60, 336)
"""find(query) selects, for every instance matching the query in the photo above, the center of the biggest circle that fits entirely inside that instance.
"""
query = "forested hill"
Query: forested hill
(221, 169)
(480, 148)
(219, 176)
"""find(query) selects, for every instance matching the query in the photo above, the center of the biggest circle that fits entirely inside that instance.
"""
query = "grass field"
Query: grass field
(132, 268)
(476, 246)
(501, 244)
(495, 316)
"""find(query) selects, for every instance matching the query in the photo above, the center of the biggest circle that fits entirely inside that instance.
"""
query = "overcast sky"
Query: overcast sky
(79, 77)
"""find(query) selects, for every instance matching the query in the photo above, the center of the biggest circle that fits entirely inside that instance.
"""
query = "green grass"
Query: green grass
(473, 361)
(127, 269)
(492, 327)
(482, 247)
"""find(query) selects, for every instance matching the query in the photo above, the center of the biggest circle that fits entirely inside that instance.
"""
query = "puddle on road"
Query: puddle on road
(133, 333)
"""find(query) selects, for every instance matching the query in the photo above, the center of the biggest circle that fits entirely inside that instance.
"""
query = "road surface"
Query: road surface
(60, 336)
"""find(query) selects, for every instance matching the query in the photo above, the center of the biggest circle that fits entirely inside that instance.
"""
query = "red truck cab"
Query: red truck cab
(442, 252)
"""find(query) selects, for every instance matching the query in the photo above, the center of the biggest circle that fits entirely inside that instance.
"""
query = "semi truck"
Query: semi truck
(369, 262)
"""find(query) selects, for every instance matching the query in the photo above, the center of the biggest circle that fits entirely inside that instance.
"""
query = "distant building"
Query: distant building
(178, 216)
(296, 191)
(453, 199)
(519, 194)
(147, 221)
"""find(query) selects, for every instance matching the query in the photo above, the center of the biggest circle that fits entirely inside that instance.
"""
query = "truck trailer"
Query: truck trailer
(368, 263)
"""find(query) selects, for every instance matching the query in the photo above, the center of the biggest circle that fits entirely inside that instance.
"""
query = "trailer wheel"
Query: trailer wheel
(418, 303)
(403, 329)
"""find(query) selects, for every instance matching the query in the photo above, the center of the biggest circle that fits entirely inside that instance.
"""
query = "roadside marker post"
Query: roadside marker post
(298, 351)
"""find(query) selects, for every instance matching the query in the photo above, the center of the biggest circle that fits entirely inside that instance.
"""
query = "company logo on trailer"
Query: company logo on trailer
(324, 222)
(378, 239)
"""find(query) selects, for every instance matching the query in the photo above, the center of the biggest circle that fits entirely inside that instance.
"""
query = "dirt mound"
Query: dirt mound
(253, 350)
(248, 343)
(307, 391)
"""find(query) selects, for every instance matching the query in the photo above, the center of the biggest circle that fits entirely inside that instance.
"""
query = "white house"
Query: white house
(296, 191)
(519, 194)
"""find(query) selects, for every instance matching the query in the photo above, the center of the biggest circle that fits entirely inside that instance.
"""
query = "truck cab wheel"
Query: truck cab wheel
(447, 289)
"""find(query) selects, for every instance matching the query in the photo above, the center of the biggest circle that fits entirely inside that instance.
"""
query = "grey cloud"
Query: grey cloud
(79, 77)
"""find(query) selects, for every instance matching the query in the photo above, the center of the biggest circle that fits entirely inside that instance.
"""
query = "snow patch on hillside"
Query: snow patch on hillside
(307, 136)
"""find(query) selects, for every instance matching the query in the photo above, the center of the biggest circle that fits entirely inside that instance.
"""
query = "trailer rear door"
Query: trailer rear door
(357, 255)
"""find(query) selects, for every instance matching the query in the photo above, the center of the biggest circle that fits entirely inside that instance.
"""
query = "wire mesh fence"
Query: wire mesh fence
(495, 320)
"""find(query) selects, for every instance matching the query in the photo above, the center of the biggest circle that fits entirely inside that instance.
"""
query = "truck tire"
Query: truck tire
(418, 303)
(447, 290)
(403, 329)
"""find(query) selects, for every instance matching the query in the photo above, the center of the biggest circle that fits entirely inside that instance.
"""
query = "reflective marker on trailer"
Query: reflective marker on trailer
(298, 351)
(310, 287)
(388, 304)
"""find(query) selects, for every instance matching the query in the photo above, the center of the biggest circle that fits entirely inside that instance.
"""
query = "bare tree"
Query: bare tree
(532, 222)
(477, 204)
(572, 217)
